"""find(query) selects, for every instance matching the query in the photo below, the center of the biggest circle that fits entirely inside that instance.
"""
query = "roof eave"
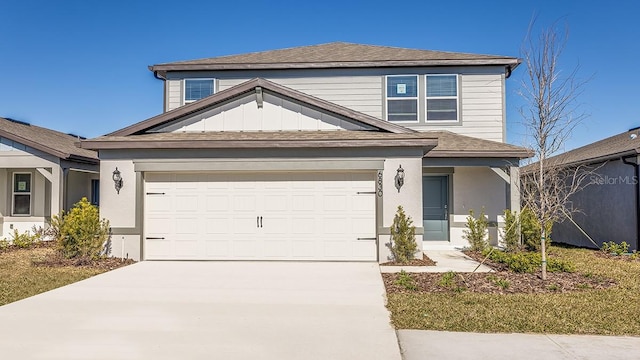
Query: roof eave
(161, 69)
(479, 154)
(35, 145)
(424, 143)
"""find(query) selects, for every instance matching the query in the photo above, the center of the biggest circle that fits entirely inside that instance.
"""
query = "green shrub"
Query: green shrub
(500, 282)
(447, 280)
(614, 248)
(405, 280)
(528, 262)
(80, 232)
(476, 231)
(403, 237)
(531, 230)
(511, 234)
(4, 244)
(22, 241)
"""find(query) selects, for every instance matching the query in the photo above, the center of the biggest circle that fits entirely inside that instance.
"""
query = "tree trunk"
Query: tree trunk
(543, 248)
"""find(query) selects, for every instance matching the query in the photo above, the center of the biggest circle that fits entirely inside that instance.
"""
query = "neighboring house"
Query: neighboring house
(608, 204)
(306, 154)
(42, 173)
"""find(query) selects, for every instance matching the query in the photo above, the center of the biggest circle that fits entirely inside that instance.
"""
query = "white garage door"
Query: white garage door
(269, 216)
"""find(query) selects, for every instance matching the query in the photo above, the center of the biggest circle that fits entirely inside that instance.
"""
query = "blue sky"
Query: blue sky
(81, 66)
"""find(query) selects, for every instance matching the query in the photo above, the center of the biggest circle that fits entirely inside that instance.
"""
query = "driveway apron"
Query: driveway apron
(207, 310)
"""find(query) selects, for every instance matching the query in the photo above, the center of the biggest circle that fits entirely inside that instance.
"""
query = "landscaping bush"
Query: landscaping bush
(22, 241)
(527, 262)
(80, 232)
(403, 237)
(511, 234)
(531, 230)
(614, 248)
(476, 231)
(405, 280)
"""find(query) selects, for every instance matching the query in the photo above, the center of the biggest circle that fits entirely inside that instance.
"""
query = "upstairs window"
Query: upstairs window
(21, 204)
(442, 97)
(402, 98)
(196, 89)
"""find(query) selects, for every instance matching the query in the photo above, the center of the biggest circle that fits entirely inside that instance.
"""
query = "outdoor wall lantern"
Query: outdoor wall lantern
(399, 178)
(117, 180)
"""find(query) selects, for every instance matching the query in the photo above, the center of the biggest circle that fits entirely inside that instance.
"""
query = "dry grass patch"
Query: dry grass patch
(614, 310)
(22, 277)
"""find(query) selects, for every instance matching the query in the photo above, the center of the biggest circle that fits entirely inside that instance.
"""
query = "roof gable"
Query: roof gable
(324, 111)
(336, 55)
(46, 140)
(260, 112)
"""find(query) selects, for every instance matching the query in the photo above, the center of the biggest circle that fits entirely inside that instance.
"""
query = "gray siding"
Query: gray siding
(607, 210)
(481, 92)
(174, 94)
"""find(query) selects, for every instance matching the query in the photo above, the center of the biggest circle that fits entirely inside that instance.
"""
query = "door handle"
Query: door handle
(257, 221)
(260, 221)
(446, 213)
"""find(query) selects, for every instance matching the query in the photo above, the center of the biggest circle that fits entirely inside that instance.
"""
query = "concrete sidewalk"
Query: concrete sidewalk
(446, 260)
(443, 345)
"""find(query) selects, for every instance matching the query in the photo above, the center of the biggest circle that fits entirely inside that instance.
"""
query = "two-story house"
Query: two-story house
(306, 153)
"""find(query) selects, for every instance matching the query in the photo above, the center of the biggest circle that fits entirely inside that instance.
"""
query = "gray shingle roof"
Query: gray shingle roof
(448, 143)
(46, 140)
(613, 147)
(455, 145)
(337, 54)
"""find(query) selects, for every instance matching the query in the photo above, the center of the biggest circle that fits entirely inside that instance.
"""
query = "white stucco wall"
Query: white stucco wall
(475, 188)
(409, 196)
(119, 209)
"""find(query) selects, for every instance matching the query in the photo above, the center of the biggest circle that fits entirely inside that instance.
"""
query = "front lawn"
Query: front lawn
(20, 278)
(614, 310)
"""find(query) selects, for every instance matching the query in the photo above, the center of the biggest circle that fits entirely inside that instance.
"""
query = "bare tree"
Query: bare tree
(551, 113)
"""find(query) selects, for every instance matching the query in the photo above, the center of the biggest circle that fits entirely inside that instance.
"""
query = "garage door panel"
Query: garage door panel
(334, 203)
(303, 226)
(246, 248)
(217, 203)
(186, 203)
(159, 204)
(219, 249)
(276, 203)
(217, 226)
(305, 203)
(305, 216)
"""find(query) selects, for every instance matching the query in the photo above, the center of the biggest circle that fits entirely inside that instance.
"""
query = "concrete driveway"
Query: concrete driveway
(207, 310)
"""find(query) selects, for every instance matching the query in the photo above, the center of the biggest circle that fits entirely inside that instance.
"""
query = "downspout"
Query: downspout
(65, 189)
(636, 166)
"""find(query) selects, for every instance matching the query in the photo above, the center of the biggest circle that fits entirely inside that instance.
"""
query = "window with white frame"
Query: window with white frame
(196, 89)
(442, 97)
(21, 199)
(402, 98)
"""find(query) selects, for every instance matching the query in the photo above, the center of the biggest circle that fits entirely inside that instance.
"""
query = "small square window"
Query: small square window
(196, 89)
(402, 98)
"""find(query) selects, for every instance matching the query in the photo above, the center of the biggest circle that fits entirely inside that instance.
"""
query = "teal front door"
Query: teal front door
(435, 208)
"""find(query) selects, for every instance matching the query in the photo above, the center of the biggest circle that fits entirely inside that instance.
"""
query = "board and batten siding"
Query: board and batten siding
(360, 93)
(481, 93)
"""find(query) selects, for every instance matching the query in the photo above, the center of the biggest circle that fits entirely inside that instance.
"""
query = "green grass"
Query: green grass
(19, 279)
(614, 311)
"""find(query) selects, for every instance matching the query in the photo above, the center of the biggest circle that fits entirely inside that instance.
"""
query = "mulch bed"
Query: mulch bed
(108, 263)
(55, 259)
(501, 281)
(425, 261)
